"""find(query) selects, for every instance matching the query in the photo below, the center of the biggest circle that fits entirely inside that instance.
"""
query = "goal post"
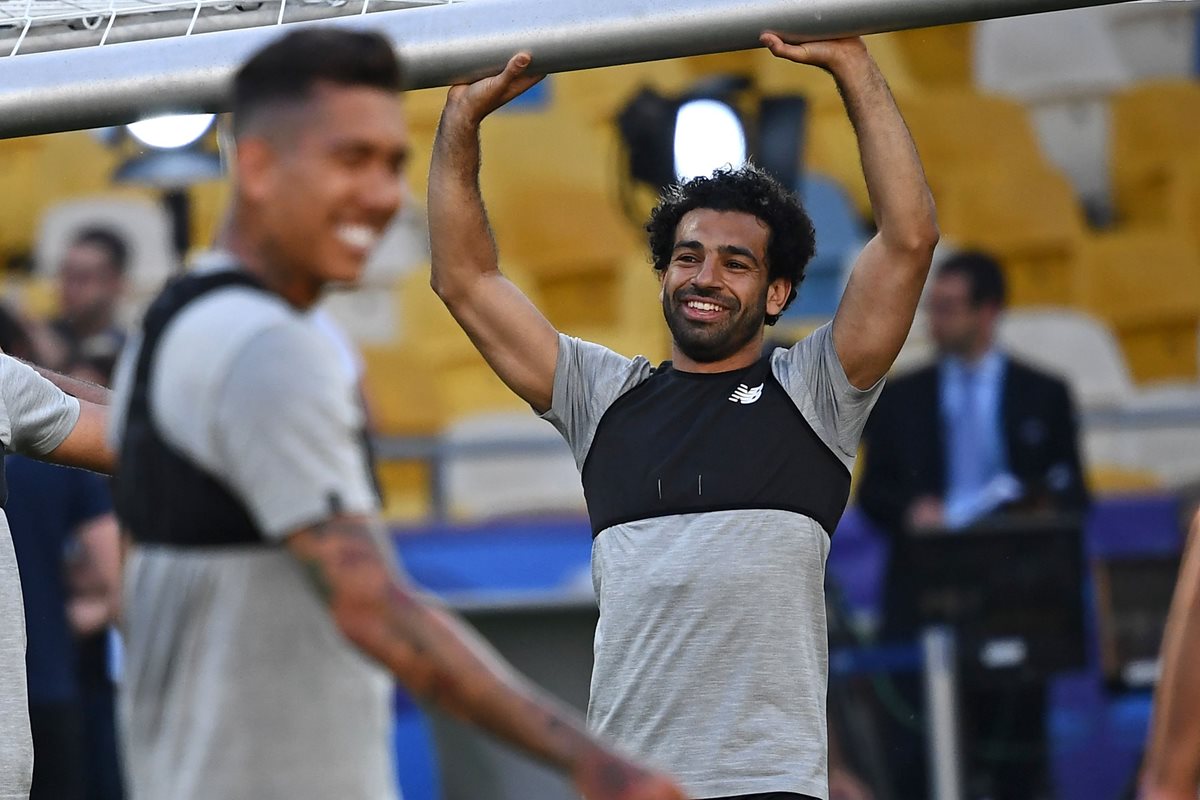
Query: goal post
(439, 43)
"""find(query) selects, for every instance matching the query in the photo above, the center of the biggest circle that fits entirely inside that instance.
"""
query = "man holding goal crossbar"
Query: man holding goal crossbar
(260, 575)
(713, 481)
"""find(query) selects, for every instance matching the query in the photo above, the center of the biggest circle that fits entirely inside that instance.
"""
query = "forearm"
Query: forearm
(1173, 756)
(84, 390)
(435, 655)
(900, 197)
(444, 662)
(462, 248)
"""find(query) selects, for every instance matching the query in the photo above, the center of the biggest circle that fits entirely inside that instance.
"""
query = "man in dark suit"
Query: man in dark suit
(974, 434)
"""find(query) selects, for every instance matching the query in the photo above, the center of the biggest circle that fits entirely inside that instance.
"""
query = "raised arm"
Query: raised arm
(441, 660)
(881, 297)
(1172, 768)
(515, 338)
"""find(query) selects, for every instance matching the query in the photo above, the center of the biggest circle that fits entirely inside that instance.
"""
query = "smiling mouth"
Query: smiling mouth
(359, 237)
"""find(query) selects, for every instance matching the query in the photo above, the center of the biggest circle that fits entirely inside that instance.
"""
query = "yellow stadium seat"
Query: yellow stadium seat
(396, 384)
(598, 95)
(1030, 220)
(957, 129)
(1155, 128)
(20, 195)
(937, 57)
(550, 182)
(1146, 284)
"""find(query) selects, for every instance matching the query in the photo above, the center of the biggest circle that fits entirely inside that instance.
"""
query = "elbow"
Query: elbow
(915, 244)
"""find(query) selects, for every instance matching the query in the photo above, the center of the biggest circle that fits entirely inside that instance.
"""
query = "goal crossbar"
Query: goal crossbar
(441, 44)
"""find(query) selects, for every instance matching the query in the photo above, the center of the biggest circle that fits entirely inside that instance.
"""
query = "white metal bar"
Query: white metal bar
(90, 87)
(942, 714)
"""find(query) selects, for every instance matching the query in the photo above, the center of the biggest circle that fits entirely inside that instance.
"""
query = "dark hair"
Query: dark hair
(107, 240)
(748, 189)
(983, 274)
(286, 71)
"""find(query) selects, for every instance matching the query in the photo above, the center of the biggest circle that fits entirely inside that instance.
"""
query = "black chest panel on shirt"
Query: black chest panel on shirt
(681, 443)
(161, 495)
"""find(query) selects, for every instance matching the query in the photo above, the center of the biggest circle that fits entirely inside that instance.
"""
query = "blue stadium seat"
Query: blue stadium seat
(839, 238)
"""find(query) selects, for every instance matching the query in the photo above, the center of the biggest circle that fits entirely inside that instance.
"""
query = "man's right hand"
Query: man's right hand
(606, 776)
(474, 101)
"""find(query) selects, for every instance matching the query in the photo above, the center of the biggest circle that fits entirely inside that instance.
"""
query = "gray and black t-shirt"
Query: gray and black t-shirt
(35, 418)
(712, 499)
(237, 682)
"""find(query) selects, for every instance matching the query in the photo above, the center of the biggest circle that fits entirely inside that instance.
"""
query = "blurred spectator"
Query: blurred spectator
(975, 434)
(68, 551)
(91, 281)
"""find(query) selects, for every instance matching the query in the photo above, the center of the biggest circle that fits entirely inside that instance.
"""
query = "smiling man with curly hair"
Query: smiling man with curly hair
(715, 480)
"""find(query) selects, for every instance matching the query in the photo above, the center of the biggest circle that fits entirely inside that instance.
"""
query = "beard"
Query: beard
(706, 342)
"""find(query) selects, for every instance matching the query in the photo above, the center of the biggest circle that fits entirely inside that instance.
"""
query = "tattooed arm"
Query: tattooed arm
(441, 660)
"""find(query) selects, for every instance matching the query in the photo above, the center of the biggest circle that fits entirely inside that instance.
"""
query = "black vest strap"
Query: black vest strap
(161, 496)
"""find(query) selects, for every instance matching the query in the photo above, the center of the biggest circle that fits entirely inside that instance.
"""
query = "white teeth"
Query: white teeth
(702, 306)
(362, 237)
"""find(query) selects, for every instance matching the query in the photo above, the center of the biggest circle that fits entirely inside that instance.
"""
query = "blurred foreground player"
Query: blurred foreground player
(262, 599)
(39, 420)
(1172, 763)
(714, 481)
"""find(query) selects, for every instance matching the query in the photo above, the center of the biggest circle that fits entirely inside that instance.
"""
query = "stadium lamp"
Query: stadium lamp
(170, 131)
(671, 139)
(171, 156)
(709, 134)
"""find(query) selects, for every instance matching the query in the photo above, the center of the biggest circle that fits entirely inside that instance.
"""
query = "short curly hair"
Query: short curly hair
(751, 190)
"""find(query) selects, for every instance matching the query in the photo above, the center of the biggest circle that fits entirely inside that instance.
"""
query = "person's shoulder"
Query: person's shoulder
(219, 325)
(1034, 377)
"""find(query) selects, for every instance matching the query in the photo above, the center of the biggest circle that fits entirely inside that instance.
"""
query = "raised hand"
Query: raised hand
(610, 777)
(477, 100)
(825, 53)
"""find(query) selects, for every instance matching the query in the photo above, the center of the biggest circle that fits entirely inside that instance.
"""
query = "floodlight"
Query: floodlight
(171, 131)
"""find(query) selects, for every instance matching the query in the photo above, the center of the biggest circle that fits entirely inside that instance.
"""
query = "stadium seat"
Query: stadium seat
(839, 239)
(550, 184)
(1155, 40)
(397, 385)
(508, 464)
(1156, 170)
(962, 129)
(1063, 67)
(1121, 454)
(598, 95)
(1028, 218)
(937, 57)
(1146, 284)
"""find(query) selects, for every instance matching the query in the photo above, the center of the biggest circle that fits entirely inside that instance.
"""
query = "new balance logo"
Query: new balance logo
(745, 395)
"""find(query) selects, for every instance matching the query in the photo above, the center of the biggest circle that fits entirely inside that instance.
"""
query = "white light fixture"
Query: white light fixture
(708, 135)
(172, 131)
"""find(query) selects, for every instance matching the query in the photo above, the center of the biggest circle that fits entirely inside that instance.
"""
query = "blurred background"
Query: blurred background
(1061, 145)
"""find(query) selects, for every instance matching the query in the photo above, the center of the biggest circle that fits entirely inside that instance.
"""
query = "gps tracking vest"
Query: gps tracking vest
(161, 495)
(685, 442)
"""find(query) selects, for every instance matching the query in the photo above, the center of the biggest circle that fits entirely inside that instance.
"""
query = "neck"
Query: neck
(258, 256)
(744, 357)
(976, 352)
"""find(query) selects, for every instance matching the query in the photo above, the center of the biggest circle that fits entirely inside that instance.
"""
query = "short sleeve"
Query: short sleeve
(588, 378)
(812, 375)
(39, 415)
(288, 432)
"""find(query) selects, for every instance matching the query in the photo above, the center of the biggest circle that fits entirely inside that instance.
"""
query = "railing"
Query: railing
(437, 451)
